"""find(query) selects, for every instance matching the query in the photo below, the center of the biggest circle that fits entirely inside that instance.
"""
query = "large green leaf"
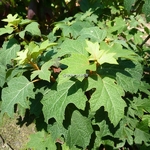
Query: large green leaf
(57, 99)
(80, 130)
(18, 91)
(93, 33)
(72, 46)
(77, 66)
(8, 52)
(41, 141)
(127, 74)
(107, 94)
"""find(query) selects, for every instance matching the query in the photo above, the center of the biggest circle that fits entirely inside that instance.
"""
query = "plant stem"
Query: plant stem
(147, 38)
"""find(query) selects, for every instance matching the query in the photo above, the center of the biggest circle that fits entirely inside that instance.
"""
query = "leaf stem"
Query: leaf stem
(36, 80)
(34, 65)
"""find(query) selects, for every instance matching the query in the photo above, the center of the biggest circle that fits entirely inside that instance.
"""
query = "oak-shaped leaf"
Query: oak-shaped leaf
(80, 130)
(100, 55)
(18, 91)
(109, 95)
(77, 66)
(57, 99)
(93, 33)
(101, 134)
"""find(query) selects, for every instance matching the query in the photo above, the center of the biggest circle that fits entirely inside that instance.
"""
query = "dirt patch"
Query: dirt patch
(14, 133)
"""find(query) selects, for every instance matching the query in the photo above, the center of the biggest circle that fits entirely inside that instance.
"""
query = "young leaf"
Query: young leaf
(40, 141)
(35, 50)
(5, 30)
(55, 101)
(17, 92)
(22, 57)
(107, 94)
(80, 130)
(12, 20)
(101, 56)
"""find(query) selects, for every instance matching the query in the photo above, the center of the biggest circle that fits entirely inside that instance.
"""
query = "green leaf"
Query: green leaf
(107, 94)
(124, 133)
(70, 46)
(80, 130)
(128, 4)
(18, 91)
(141, 133)
(77, 66)
(93, 33)
(41, 141)
(5, 30)
(117, 26)
(32, 28)
(127, 74)
(8, 52)
(73, 30)
(102, 133)
(56, 100)
(57, 130)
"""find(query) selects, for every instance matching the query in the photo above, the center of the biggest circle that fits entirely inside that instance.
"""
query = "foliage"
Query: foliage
(88, 78)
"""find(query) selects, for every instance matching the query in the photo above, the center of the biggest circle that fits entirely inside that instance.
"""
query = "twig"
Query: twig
(147, 38)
